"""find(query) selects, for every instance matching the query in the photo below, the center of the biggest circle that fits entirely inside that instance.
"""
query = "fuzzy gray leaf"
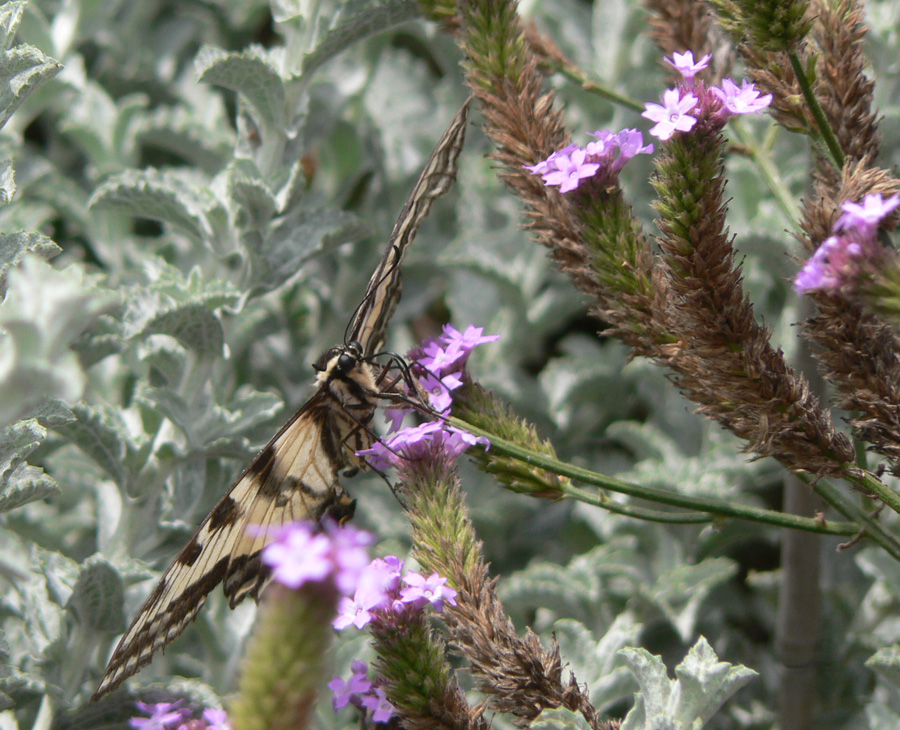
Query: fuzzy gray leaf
(359, 19)
(17, 442)
(250, 73)
(295, 239)
(211, 428)
(7, 181)
(180, 306)
(13, 246)
(98, 597)
(194, 326)
(886, 662)
(26, 484)
(596, 663)
(10, 18)
(22, 69)
(166, 196)
(702, 686)
(100, 433)
(560, 718)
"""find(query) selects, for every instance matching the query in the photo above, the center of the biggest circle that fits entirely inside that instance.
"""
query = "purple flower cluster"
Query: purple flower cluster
(838, 263)
(439, 362)
(438, 366)
(385, 595)
(301, 554)
(380, 594)
(719, 102)
(610, 151)
(416, 442)
(361, 692)
(169, 716)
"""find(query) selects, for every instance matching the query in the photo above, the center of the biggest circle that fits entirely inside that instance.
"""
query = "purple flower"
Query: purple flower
(382, 710)
(163, 716)
(440, 358)
(411, 444)
(394, 417)
(630, 143)
(743, 100)
(385, 572)
(565, 168)
(684, 64)
(422, 590)
(369, 595)
(866, 217)
(468, 340)
(349, 553)
(299, 555)
(351, 692)
(549, 165)
(216, 719)
(833, 265)
(673, 115)
(438, 389)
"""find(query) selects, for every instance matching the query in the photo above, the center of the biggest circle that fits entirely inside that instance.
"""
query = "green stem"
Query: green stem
(697, 504)
(869, 483)
(868, 525)
(818, 113)
(571, 71)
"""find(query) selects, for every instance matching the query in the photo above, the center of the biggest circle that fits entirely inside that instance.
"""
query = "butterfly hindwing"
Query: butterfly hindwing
(294, 478)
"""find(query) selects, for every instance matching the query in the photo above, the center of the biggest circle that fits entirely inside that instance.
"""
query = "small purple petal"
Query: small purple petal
(684, 64)
(673, 115)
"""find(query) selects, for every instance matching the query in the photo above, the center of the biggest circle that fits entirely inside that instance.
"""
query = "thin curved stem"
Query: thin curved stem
(718, 508)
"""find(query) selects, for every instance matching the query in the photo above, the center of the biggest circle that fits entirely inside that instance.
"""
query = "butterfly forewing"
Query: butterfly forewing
(295, 477)
(383, 292)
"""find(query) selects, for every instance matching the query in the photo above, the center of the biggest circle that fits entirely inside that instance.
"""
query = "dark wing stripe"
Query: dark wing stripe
(383, 291)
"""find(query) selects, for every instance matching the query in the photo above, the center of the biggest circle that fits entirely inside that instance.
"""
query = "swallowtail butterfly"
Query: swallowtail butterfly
(295, 477)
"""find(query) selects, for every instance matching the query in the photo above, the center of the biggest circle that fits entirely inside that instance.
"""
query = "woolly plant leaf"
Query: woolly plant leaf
(252, 73)
(702, 685)
(177, 198)
(559, 718)
(359, 19)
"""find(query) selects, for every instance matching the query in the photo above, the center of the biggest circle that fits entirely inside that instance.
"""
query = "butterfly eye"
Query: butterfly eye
(346, 362)
(356, 347)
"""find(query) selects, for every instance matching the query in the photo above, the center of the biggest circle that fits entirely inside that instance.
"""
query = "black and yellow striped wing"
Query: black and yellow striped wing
(295, 477)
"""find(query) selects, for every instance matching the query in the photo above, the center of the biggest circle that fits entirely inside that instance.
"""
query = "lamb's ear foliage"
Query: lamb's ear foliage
(702, 685)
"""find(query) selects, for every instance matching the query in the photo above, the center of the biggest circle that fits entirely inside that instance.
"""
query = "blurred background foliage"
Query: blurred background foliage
(194, 196)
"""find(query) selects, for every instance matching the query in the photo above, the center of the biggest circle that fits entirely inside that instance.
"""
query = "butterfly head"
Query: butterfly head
(344, 364)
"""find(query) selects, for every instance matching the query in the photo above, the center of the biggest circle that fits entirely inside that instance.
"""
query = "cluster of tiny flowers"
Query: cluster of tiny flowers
(567, 167)
(385, 592)
(414, 443)
(724, 101)
(438, 365)
(169, 716)
(361, 692)
(839, 261)
(301, 554)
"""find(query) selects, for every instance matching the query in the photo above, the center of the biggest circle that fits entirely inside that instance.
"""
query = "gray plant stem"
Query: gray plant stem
(797, 628)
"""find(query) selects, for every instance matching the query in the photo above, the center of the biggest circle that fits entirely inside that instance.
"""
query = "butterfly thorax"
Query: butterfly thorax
(347, 378)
